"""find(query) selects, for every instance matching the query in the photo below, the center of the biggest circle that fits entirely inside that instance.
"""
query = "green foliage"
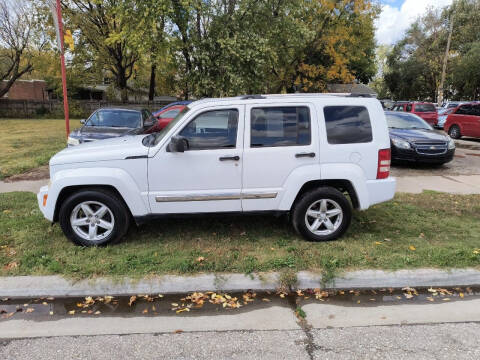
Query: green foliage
(415, 62)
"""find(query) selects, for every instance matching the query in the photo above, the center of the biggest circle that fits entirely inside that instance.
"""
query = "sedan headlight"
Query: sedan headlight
(401, 144)
(451, 144)
(73, 141)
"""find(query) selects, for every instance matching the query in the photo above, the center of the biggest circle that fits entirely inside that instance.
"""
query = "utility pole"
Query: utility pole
(445, 60)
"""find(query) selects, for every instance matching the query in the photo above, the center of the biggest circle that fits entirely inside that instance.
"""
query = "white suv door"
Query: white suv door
(207, 177)
(278, 140)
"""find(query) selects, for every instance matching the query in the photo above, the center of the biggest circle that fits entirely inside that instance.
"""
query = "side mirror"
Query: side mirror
(148, 124)
(177, 144)
(83, 121)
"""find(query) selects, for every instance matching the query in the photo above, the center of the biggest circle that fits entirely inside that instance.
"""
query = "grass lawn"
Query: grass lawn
(427, 230)
(27, 144)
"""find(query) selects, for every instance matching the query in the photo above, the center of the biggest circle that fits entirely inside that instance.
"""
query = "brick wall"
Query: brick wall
(27, 90)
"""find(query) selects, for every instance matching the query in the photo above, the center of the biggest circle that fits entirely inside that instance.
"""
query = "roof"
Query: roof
(255, 99)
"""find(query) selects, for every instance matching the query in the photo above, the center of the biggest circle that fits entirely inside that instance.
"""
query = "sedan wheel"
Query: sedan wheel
(454, 132)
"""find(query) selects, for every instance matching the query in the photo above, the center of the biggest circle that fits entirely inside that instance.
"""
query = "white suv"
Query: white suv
(312, 156)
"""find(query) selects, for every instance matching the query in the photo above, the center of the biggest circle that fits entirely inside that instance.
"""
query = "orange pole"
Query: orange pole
(64, 71)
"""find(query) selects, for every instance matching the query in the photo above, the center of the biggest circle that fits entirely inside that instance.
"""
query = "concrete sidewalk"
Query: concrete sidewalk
(30, 186)
(459, 184)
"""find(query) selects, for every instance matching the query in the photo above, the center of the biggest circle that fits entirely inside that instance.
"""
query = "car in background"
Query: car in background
(426, 110)
(452, 104)
(464, 121)
(108, 123)
(414, 140)
(442, 117)
(164, 117)
(182, 102)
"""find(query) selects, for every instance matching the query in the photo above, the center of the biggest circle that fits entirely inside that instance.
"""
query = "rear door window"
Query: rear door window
(280, 126)
(409, 107)
(347, 124)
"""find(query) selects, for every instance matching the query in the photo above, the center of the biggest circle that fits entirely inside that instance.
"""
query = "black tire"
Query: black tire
(116, 206)
(454, 132)
(308, 199)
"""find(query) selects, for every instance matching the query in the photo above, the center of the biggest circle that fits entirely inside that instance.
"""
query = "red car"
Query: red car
(427, 111)
(464, 121)
(165, 116)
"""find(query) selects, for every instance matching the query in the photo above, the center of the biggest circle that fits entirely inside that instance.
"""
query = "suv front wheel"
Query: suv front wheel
(94, 217)
(322, 214)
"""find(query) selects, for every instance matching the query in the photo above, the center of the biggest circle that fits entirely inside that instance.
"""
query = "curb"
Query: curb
(56, 286)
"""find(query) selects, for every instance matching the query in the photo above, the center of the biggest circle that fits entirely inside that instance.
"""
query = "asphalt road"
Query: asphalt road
(439, 341)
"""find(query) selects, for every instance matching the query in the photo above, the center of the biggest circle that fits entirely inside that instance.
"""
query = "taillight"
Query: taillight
(384, 158)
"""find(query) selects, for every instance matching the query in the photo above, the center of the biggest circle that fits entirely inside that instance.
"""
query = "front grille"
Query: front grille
(431, 148)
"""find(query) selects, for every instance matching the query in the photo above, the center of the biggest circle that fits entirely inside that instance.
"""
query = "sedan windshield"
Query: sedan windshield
(406, 121)
(116, 118)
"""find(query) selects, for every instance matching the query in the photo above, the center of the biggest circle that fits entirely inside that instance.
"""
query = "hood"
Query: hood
(103, 150)
(99, 132)
(413, 135)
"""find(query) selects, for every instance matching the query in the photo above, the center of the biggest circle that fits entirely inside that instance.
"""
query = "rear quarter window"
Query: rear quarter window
(347, 124)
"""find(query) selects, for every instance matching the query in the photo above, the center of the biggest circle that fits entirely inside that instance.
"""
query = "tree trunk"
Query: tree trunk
(444, 68)
(151, 92)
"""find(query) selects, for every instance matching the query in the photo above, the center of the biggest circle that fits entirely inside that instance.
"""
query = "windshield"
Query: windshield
(115, 118)
(425, 108)
(161, 134)
(406, 121)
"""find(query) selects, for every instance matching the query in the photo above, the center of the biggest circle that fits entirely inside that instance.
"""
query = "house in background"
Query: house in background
(26, 90)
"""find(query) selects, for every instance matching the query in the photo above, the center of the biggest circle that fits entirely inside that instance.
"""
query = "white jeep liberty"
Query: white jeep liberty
(313, 156)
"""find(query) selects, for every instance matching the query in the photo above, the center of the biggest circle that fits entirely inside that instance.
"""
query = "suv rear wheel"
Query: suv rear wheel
(454, 132)
(322, 214)
(94, 217)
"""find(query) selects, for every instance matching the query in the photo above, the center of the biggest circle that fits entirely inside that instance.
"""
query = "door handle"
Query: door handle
(227, 158)
(299, 155)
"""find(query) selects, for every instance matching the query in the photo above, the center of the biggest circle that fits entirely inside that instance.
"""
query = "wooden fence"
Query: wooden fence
(54, 108)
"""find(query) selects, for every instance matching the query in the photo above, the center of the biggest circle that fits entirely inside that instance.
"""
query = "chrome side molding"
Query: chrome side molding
(216, 197)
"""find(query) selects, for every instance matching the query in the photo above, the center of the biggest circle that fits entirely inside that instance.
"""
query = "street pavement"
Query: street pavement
(438, 341)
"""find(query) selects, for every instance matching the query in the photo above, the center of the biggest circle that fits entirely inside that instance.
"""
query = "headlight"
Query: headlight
(73, 141)
(451, 144)
(402, 144)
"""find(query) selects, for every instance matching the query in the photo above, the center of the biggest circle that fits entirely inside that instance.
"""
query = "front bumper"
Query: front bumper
(412, 156)
(45, 203)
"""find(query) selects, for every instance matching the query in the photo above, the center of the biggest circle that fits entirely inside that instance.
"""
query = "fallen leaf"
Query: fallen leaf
(378, 243)
(79, 305)
(200, 259)
(108, 299)
(266, 300)
(71, 312)
(89, 300)
(10, 266)
(30, 310)
(160, 295)
(174, 304)
(178, 331)
(422, 235)
(145, 311)
(97, 313)
(51, 312)
(44, 303)
(413, 248)
(387, 239)
(430, 299)
(182, 310)
(132, 300)
(358, 301)
(446, 299)
(461, 295)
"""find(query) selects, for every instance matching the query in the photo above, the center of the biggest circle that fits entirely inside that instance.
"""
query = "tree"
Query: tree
(16, 25)
(102, 38)
(466, 75)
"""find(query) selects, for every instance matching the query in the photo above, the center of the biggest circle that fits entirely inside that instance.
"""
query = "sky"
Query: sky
(397, 15)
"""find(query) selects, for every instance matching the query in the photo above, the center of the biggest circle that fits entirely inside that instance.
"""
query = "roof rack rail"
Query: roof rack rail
(247, 97)
(361, 95)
